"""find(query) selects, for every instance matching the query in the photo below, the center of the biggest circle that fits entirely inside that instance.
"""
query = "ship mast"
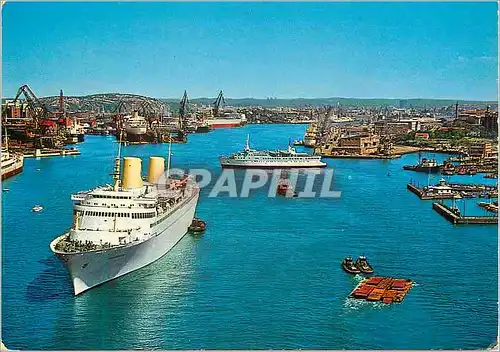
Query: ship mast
(6, 141)
(116, 172)
(247, 145)
(169, 153)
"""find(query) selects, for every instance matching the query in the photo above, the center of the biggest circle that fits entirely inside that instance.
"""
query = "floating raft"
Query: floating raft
(385, 289)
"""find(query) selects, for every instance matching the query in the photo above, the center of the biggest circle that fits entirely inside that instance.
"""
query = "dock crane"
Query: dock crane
(183, 107)
(36, 108)
(217, 103)
(120, 109)
(147, 110)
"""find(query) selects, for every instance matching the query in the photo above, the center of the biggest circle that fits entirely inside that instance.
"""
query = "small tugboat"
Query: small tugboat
(363, 265)
(349, 266)
(424, 165)
(285, 190)
(197, 227)
(37, 208)
(203, 128)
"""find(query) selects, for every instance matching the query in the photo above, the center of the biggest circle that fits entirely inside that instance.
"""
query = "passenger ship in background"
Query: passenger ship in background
(228, 120)
(121, 228)
(278, 159)
(12, 164)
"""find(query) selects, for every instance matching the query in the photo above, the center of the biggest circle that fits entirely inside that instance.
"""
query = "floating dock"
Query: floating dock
(457, 219)
(385, 289)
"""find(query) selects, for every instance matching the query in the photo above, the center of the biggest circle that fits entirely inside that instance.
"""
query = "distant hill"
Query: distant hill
(96, 102)
(303, 102)
(110, 101)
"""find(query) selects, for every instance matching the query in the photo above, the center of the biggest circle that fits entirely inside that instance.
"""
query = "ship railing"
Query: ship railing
(131, 230)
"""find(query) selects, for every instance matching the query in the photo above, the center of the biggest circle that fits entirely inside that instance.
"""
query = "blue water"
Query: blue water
(266, 274)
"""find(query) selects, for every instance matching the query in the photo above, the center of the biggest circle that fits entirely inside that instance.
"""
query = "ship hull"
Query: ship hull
(432, 169)
(13, 169)
(224, 123)
(90, 269)
(12, 172)
(203, 129)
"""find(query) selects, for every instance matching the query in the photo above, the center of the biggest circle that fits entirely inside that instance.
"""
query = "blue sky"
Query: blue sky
(284, 50)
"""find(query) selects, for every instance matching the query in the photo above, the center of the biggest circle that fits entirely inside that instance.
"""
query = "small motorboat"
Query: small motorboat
(285, 190)
(5, 189)
(363, 265)
(349, 266)
(37, 208)
(197, 227)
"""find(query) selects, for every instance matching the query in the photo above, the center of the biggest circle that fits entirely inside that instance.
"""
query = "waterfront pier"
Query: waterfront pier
(454, 216)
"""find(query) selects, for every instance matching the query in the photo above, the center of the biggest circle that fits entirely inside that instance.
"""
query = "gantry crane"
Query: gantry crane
(183, 109)
(37, 110)
(217, 103)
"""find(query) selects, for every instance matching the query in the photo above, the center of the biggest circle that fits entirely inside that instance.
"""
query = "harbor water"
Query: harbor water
(266, 274)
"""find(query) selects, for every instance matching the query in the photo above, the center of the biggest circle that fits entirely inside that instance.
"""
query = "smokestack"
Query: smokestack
(61, 102)
(131, 173)
(156, 168)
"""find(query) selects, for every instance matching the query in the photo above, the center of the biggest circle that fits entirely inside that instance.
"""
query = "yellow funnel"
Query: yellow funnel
(156, 168)
(131, 173)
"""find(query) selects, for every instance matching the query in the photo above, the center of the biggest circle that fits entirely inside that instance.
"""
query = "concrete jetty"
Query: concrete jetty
(458, 219)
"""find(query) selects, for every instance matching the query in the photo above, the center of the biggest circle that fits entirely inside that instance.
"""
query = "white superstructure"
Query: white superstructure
(121, 228)
(135, 124)
(289, 158)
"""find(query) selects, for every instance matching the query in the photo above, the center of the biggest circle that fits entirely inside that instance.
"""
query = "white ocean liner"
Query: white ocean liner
(135, 124)
(289, 158)
(121, 228)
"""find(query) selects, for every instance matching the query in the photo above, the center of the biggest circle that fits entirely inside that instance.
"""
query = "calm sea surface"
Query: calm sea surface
(266, 274)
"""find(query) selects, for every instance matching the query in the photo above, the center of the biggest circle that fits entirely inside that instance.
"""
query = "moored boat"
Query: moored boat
(448, 168)
(203, 128)
(424, 165)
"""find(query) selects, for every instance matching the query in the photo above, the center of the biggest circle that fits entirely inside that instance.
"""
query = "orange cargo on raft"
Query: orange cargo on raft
(385, 289)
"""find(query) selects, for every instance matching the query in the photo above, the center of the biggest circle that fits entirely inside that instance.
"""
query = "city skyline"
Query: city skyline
(253, 50)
